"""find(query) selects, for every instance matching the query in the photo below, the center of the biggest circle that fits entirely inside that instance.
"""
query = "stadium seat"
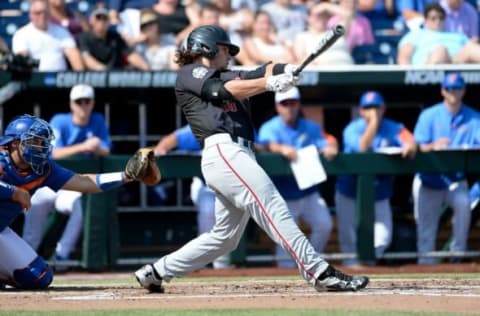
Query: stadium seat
(379, 53)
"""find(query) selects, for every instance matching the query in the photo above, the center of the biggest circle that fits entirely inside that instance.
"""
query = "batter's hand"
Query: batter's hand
(22, 197)
(281, 83)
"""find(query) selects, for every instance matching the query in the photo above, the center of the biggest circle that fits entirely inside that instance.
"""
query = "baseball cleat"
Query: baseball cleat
(147, 278)
(334, 280)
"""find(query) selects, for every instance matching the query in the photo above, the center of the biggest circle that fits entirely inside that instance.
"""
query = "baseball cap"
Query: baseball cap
(291, 94)
(100, 11)
(82, 91)
(453, 80)
(147, 17)
(371, 99)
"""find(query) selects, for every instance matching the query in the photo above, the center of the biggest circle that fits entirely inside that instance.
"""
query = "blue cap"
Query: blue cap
(453, 80)
(371, 99)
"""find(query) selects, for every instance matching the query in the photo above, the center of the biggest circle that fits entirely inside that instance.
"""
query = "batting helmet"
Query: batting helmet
(35, 137)
(204, 40)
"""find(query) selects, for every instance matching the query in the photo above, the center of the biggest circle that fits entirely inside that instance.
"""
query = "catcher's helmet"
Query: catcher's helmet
(35, 137)
(204, 39)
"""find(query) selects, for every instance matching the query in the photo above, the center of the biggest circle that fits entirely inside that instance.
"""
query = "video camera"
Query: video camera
(19, 65)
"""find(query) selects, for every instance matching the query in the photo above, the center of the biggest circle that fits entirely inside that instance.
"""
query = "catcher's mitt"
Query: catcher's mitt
(142, 166)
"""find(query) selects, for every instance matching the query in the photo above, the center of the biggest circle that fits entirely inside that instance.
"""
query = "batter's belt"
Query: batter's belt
(224, 138)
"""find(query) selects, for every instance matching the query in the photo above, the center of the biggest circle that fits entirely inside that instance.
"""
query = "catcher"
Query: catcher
(25, 166)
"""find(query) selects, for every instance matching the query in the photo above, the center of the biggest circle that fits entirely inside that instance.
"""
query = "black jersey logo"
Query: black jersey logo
(199, 72)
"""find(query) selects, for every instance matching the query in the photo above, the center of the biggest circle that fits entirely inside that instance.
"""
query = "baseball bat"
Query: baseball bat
(326, 41)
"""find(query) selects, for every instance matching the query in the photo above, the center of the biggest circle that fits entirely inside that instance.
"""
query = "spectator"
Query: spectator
(210, 15)
(286, 133)
(125, 14)
(104, 49)
(47, 42)
(358, 30)
(375, 10)
(461, 17)
(369, 132)
(157, 49)
(202, 196)
(448, 124)
(74, 21)
(264, 45)
(3, 46)
(289, 19)
(235, 19)
(82, 133)
(433, 45)
(177, 18)
(306, 42)
(411, 12)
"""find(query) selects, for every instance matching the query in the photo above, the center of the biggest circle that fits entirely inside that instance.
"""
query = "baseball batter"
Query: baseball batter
(215, 103)
(25, 166)
(448, 124)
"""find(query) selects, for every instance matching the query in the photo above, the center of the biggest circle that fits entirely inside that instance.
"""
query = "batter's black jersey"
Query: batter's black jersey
(206, 117)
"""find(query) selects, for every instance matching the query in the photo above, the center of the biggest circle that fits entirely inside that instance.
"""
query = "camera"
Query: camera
(18, 64)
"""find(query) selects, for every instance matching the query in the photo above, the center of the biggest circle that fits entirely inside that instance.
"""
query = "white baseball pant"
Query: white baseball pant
(15, 253)
(347, 226)
(428, 204)
(313, 210)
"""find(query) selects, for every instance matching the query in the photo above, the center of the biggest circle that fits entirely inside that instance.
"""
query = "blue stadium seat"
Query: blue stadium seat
(379, 53)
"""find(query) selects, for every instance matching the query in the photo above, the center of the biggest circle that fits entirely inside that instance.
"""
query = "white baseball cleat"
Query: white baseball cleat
(148, 280)
(333, 280)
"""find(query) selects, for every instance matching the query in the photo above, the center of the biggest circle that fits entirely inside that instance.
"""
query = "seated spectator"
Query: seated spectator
(461, 17)
(411, 12)
(104, 49)
(306, 42)
(50, 43)
(289, 18)
(125, 14)
(210, 15)
(157, 49)
(433, 45)
(369, 132)
(74, 21)
(264, 45)
(358, 30)
(238, 20)
(177, 18)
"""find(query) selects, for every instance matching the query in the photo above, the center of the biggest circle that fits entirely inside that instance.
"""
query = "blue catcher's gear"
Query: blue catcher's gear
(35, 137)
(37, 275)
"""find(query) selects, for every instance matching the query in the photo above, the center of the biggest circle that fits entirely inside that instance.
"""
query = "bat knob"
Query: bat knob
(339, 29)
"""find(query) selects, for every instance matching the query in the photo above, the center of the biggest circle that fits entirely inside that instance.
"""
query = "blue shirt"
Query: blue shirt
(389, 134)
(67, 133)
(425, 41)
(461, 128)
(186, 140)
(54, 177)
(303, 134)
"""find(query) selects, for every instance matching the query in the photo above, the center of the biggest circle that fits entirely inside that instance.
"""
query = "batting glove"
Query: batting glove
(280, 83)
(290, 69)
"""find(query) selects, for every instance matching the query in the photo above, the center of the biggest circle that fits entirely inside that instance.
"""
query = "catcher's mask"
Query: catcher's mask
(204, 40)
(35, 136)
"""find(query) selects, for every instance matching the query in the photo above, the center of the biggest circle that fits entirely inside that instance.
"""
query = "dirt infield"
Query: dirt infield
(453, 294)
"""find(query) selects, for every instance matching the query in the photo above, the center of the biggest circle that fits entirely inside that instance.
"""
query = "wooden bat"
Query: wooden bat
(330, 37)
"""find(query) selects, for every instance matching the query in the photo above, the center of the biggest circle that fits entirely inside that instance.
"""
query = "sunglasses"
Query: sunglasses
(292, 102)
(84, 101)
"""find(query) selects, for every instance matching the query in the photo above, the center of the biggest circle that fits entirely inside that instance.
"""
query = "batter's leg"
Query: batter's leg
(283, 258)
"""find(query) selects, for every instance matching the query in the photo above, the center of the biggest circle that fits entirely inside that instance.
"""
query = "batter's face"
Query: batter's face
(222, 58)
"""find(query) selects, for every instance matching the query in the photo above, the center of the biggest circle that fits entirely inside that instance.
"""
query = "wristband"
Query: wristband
(108, 181)
(278, 69)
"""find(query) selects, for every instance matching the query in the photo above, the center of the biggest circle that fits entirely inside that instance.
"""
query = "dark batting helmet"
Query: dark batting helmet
(204, 40)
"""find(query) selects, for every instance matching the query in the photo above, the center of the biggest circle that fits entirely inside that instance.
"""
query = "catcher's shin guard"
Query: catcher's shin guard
(149, 279)
(333, 280)
(37, 275)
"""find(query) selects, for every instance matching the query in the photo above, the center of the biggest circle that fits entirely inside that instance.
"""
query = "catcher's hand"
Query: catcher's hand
(142, 166)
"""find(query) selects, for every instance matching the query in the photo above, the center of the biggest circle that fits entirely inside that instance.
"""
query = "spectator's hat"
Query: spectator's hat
(371, 99)
(82, 91)
(291, 94)
(453, 80)
(100, 11)
(148, 17)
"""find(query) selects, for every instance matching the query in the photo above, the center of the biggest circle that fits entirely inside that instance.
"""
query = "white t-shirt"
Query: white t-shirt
(47, 46)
